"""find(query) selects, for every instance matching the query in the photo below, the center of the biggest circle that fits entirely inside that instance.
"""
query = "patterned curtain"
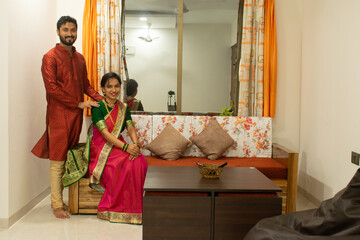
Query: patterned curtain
(110, 39)
(89, 46)
(252, 60)
(270, 60)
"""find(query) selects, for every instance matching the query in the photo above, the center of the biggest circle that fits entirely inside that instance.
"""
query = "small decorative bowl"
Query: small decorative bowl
(208, 170)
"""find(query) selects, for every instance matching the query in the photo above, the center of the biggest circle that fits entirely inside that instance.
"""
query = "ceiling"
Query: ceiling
(163, 13)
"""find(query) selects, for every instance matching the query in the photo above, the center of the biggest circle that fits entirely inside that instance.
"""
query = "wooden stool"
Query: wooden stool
(82, 198)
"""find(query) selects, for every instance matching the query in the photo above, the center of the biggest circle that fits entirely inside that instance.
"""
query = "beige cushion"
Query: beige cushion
(169, 144)
(213, 140)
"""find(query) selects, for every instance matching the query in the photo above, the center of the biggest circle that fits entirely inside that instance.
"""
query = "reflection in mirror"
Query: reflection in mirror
(209, 31)
(151, 43)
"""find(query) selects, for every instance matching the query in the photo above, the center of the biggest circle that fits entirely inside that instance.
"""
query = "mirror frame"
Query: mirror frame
(180, 51)
(180, 17)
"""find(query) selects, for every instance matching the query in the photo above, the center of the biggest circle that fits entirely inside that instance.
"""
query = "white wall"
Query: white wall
(4, 120)
(206, 67)
(28, 36)
(330, 112)
(233, 33)
(31, 34)
(206, 80)
(316, 111)
(286, 123)
(74, 9)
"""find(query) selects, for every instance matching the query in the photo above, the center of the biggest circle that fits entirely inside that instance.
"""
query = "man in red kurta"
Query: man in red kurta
(65, 78)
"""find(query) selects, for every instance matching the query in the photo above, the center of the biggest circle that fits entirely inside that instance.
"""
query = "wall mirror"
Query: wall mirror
(208, 33)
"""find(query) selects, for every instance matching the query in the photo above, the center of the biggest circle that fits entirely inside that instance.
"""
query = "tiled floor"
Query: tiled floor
(40, 224)
(302, 203)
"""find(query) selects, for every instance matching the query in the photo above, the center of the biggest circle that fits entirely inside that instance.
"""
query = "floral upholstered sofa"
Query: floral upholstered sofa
(252, 147)
(252, 135)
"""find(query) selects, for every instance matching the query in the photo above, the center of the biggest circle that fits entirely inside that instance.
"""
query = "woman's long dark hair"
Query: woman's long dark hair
(131, 87)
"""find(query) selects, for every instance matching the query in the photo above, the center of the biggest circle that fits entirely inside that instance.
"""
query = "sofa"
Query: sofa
(253, 147)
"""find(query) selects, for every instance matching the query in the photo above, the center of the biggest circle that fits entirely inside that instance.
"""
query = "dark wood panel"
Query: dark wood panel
(176, 217)
(187, 179)
(235, 216)
(234, 88)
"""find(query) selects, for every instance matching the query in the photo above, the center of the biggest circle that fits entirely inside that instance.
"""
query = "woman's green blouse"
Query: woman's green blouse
(99, 113)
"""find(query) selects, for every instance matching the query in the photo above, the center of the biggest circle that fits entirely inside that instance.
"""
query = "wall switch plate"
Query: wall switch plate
(129, 50)
(355, 158)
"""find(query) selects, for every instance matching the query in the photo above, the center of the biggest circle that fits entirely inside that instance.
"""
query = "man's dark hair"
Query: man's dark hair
(131, 87)
(107, 77)
(65, 19)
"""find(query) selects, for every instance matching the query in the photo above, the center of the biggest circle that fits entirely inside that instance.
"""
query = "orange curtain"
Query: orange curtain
(270, 60)
(89, 46)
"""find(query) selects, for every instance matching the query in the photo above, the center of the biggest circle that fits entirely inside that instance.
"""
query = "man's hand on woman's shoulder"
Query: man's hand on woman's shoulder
(88, 104)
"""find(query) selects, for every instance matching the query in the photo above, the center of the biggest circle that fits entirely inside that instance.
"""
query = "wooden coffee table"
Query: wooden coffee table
(179, 204)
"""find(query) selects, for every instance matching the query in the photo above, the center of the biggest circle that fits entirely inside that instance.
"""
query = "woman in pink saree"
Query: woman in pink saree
(115, 167)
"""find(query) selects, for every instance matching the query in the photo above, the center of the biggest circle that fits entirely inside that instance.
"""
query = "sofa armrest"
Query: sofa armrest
(288, 158)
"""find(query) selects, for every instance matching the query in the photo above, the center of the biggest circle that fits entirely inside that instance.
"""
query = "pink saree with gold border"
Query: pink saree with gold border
(112, 172)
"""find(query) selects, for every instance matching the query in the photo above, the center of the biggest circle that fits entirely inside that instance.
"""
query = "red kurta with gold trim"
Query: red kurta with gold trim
(66, 82)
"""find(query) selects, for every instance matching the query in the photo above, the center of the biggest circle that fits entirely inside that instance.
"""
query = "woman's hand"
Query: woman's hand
(134, 151)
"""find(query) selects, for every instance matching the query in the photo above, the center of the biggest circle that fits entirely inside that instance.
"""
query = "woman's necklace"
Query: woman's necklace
(107, 109)
(111, 104)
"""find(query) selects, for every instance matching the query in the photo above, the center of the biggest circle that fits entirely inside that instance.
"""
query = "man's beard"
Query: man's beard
(68, 42)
